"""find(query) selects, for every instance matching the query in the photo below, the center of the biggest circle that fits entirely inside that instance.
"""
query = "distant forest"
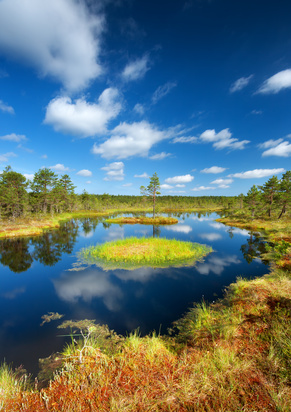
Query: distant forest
(49, 193)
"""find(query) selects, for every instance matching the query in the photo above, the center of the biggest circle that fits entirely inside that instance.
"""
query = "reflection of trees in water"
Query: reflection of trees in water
(14, 253)
(156, 231)
(89, 224)
(254, 248)
(47, 249)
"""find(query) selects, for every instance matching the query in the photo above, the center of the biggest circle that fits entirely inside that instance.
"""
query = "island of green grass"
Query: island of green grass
(144, 220)
(131, 253)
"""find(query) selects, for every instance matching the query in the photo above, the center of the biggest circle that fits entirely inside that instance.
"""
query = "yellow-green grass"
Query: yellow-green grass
(144, 220)
(135, 252)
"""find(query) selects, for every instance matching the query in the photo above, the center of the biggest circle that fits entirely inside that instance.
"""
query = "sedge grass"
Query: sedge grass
(135, 252)
(144, 220)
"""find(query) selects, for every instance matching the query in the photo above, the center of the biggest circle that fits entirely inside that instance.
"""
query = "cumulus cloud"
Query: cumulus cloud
(13, 137)
(185, 139)
(258, 173)
(213, 169)
(143, 176)
(135, 139)
(222, 182)
(5, 108)
(162, 91)
(5, 157)
(114, 171)
(179, 179)
(84, 173)
(283, 150)
(160, 156)
(270, 143)
(166, 186)
(222, 140)
(59, 168)
(240, 83)
(276, 83)
(58, 37)
(81, 118)
(136, 69)
(29, 176)
(139, 108)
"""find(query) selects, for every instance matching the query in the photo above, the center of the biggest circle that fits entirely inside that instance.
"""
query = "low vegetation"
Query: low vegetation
(144, 220)
(233, 355)
(135, 252)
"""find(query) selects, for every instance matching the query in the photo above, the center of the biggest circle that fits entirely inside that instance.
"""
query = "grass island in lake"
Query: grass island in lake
(133, 252)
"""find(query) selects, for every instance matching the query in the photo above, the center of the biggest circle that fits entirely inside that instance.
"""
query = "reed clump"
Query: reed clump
(136, 252)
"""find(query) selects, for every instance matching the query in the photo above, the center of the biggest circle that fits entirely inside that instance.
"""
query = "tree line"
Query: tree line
(49, 193)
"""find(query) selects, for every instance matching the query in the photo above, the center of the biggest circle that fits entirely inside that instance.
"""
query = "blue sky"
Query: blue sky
(112, 91)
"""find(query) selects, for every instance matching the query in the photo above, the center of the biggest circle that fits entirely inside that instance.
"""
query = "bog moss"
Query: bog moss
(136, 252)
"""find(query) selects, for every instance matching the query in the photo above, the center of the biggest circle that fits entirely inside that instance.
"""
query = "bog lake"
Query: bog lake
(38, 275)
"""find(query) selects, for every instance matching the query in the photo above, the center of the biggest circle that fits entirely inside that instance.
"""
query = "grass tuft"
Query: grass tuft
(135, 252)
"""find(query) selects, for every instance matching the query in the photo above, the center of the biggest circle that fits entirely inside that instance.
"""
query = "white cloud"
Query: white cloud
(58, 37)
(88, 182)
(114, 171)
(13, 137)
(59, 168)
(127, 185)
(5, 108)
(222, 182)
(258, 173)
(139, 108)
(128, 140)
(222, 140)
(200, 188)
(160, 156)
(256, 111)
(143, 176)
(44, 156)
(210, 236)
(213, 169)
(29, 176)
(81, 118)
(185, 139)
(217, 264)
(84, 173)
(180, 185)
(240, 84)
(166, 186)
(136, 69)
(179, 228)
(283, 150)
(276, 83)
(179, 179)
(5, 157)
(162, 91)
(270, 143)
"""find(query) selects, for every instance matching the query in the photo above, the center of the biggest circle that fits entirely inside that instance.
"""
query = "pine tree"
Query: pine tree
(152, 190)
(43, 183)
(270, 192)
(253, 198)
(13, 194)
(285, 192)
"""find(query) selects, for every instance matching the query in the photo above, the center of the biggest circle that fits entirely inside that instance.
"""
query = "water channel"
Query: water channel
(37, 276)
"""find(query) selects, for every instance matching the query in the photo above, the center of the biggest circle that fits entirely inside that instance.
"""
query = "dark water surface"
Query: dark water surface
(36, 277)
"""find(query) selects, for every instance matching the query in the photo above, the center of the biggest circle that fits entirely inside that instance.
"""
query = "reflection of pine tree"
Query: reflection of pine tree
(14, 253)
(49, 248)
(254, 248)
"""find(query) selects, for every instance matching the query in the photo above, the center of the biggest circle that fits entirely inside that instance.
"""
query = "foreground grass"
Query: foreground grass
(135, 252)
(233, 355)
(143, 220)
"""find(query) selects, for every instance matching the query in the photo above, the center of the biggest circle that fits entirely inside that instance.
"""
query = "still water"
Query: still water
(36, 277)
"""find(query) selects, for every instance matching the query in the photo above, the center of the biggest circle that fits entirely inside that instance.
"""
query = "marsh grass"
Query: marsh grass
(135, 252)
(144, 220)
(230, 356)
